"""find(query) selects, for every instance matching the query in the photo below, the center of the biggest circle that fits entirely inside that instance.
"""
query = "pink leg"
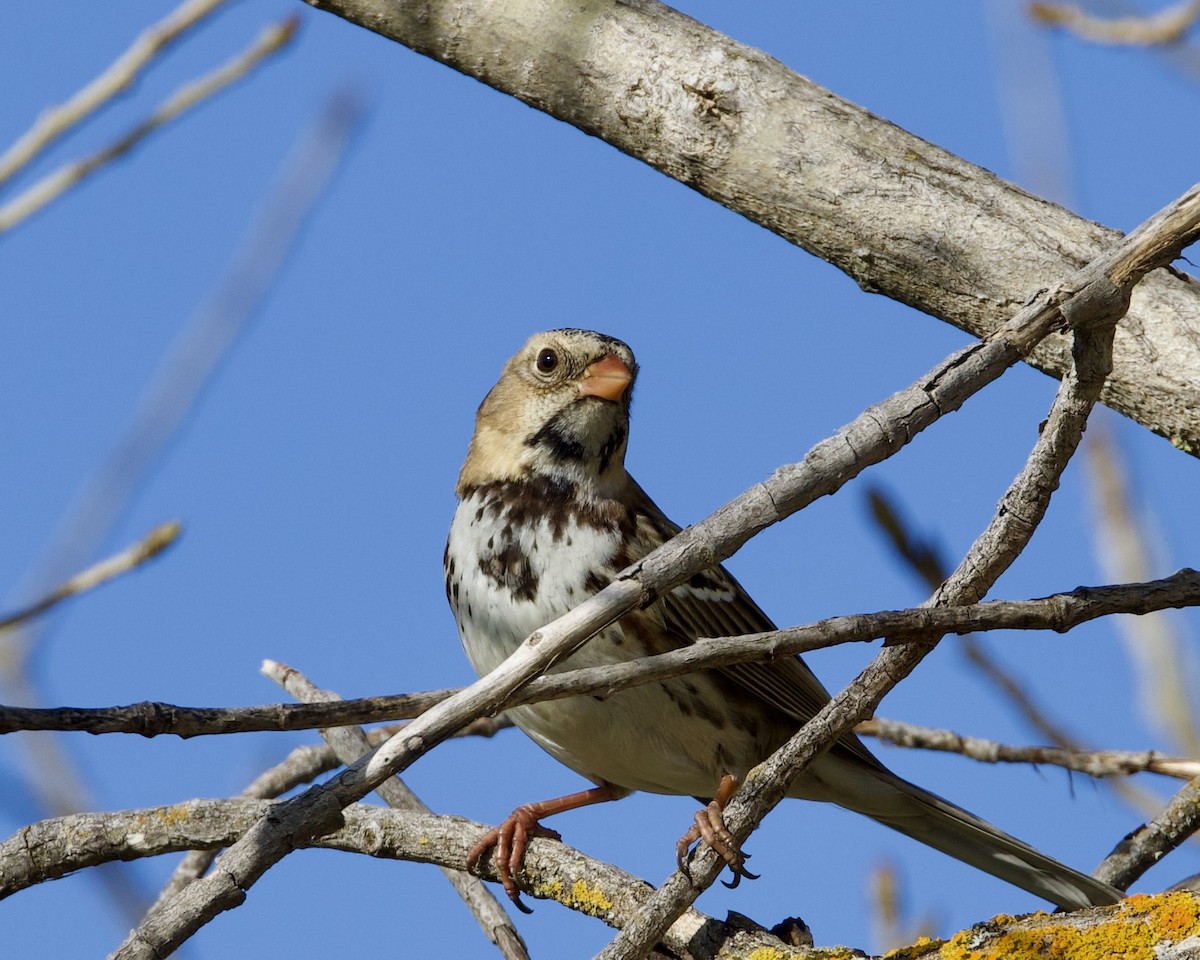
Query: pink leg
(710, 827)
(512, 836)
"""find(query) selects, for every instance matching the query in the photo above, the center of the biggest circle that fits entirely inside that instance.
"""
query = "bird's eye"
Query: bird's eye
(547, 360)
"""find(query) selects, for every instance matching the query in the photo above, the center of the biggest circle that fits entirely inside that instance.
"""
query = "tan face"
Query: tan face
(560, 410)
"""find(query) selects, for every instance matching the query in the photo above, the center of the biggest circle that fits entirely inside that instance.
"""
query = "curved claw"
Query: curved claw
(710, 827)
(740, 873)
(510, 839)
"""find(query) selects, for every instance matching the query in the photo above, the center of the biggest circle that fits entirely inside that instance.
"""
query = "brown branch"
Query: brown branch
(1147, 845)
(1094, 763)
(303, 765)
(1059, 612)
(1164, 27)
(923, 558)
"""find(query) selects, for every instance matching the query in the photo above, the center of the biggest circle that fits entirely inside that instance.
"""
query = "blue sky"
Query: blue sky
(315, 478)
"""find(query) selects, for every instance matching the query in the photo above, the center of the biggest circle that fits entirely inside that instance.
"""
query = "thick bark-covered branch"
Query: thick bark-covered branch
(901, 216)
(52, 848)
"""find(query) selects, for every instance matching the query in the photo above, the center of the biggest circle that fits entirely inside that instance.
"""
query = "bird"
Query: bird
(547, 516)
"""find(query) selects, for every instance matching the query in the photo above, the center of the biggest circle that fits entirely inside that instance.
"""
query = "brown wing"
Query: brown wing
(714, 604)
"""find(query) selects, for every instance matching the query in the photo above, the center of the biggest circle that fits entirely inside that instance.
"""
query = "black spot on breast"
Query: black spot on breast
(552, 501)
(593, 582)
(510, 568)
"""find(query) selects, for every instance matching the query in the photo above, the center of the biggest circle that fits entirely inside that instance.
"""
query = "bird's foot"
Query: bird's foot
(710, 827)
(510, 839)
(512, 836)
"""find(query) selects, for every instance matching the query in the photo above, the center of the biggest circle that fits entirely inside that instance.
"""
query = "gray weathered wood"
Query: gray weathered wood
(901, 216)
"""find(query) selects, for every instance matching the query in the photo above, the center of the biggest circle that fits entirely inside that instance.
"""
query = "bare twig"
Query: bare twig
(118, 78)
(1168, 25)
(1094, 763)
(1060, 612)
(1147, 845)
(923, 557)
(303, 765)
(51, 187)
(132, 557)
(350, 743)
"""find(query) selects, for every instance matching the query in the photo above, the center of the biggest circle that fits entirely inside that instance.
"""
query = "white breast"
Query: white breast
(505, 581)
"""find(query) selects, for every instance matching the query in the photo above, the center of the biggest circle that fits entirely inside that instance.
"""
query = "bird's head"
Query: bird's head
(560, 411)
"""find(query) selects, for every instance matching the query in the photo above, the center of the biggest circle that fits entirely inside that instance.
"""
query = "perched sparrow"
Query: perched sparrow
(547, 517)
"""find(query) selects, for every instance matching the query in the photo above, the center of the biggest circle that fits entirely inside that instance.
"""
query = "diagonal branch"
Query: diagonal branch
(901, 216)
(132, 557)
(1093, 318)
(272, 39)
(350, 743)
(1147, 845)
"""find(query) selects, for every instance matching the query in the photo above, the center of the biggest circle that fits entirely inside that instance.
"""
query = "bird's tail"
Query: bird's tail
(926, 817)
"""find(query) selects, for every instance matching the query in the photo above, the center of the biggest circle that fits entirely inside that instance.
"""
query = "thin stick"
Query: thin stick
(1167, 26)
(132, 557)
(1147, 845)
(118, 78)
(1093, 763)
(51, 187)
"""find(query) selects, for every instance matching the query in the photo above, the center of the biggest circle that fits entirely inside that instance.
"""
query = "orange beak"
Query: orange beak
(606, 379)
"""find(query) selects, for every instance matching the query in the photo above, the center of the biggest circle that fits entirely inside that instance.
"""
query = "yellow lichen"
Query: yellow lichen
(767, 953)
(549, 890)
(173, 814)
(1131, 931)
(922, 946)
(591, 900)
